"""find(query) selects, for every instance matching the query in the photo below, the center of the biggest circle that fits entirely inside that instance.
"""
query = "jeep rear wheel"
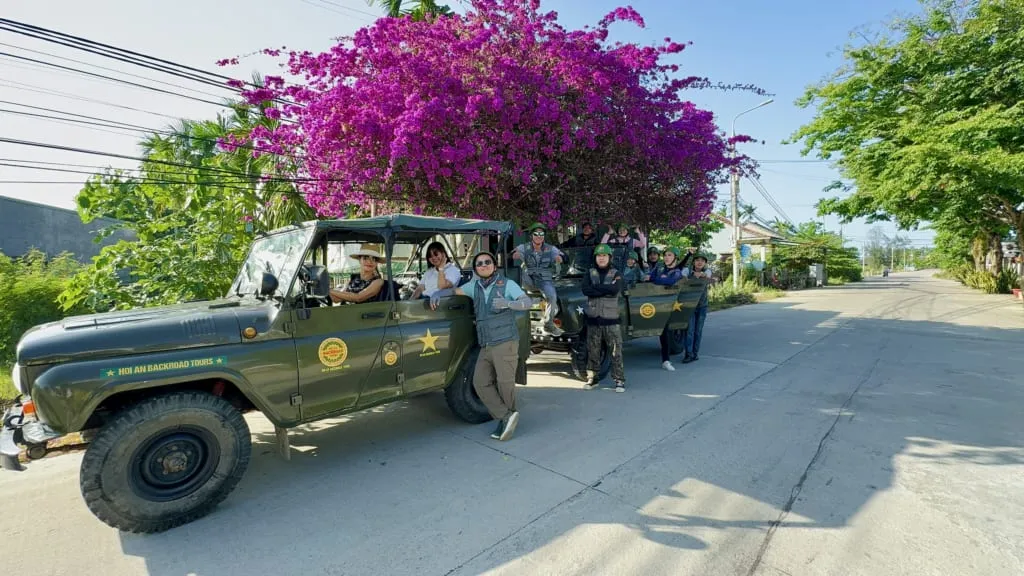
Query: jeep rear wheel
(676, 341)
(461, 396)
(165, 462)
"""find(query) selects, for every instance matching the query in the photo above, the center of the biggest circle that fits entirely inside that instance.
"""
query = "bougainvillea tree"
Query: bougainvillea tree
(498, 113)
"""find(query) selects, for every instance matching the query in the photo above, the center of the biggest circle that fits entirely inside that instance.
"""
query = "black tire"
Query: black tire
(120, 477)
(461, 396)
(676, 341)
(580, 356)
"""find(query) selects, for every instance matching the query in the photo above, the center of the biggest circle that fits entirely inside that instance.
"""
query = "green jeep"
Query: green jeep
(646, 309)
(163, 390)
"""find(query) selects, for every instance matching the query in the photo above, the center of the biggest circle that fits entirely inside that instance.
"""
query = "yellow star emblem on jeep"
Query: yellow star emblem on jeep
(677, 307)
(429, 342)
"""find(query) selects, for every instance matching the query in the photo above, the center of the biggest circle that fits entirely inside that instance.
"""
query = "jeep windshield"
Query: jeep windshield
(278, 254)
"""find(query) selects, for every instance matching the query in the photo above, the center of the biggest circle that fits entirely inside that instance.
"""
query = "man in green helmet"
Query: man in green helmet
(541, 258)
(602, 287)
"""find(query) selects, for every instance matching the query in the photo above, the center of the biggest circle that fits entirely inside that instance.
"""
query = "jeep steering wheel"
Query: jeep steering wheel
(306, 278)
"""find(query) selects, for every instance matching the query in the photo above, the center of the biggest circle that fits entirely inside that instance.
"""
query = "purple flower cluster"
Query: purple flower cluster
(500, 113)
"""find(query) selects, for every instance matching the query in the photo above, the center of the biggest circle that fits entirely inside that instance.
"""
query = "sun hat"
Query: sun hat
(364, 251)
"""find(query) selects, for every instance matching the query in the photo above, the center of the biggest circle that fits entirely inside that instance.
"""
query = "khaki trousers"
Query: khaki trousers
(494, 378)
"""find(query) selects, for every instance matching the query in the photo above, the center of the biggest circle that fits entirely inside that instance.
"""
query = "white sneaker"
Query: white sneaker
(668, 366)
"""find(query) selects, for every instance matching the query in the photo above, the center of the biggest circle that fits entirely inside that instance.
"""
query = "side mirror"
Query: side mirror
(268, 285)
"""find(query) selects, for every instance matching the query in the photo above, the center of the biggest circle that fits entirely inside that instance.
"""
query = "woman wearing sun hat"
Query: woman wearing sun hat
(368, 284)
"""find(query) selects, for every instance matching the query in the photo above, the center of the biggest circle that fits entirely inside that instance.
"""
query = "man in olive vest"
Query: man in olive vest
(540, 259)
(602, 286)
(494, 299)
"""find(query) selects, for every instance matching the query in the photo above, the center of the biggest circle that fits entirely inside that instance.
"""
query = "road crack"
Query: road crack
(799, 486)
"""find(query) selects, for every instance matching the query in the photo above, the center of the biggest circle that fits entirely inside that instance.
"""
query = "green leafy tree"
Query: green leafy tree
(416, 9)
(29, 288)
(926, 121)
(193, 209)
(818, 245)
(697, 235)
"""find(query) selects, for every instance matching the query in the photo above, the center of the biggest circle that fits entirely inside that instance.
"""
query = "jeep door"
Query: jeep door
(340, 349)
(434, 342)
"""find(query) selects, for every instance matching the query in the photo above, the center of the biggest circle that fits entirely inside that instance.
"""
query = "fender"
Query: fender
(67, 394)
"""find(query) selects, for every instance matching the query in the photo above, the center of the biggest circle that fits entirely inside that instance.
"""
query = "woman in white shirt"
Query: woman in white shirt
(442, 274)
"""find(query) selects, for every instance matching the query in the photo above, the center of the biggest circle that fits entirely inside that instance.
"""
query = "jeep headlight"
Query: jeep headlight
(16, 376)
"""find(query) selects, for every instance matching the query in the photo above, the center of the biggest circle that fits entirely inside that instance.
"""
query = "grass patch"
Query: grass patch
(7, 389)
(722, 296)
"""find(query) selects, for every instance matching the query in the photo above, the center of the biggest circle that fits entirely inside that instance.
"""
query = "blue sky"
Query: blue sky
(781, 46)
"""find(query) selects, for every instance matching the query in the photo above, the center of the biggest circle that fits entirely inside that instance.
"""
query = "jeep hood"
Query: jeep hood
(140, 331)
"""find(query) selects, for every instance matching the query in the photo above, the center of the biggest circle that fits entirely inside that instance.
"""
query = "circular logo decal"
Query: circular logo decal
(333, 352)
(391, 358)
(647, 310)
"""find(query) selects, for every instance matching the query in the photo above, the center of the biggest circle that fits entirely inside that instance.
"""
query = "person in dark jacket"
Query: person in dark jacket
(586, 237)
(653, 263)
(602, 286)
(695, 329)
(667, 274)
(633, 272)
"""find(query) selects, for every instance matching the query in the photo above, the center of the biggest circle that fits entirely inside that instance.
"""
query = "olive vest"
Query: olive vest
(493, 327)
(605, 307)
(540, 264)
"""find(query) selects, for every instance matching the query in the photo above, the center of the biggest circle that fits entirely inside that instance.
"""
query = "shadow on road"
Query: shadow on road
(799, 420)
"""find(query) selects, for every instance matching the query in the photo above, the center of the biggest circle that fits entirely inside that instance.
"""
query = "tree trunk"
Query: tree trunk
(978, 252)
(997, 254)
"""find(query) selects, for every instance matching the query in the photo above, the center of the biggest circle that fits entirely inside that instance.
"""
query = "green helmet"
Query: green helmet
(674, 251)
(603, 249)
(653, 250)
(535, 226)
(632, 254)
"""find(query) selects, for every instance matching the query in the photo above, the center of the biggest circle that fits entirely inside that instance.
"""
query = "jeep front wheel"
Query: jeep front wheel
(461, 396)
(165, 462)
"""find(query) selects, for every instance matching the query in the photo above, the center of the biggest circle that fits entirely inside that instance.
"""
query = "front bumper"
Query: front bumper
(18, 431)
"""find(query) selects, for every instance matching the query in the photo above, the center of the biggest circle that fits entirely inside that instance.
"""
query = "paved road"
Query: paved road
(872, 429)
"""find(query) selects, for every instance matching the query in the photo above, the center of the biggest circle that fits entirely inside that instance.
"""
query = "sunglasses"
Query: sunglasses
(538, 233)
(480, 263)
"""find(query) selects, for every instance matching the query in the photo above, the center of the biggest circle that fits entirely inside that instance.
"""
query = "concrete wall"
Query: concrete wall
(26, 225)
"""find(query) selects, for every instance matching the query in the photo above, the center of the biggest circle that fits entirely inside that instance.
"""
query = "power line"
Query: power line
(108, 68)
(42, 90)
(127, 56)
(106, 123)
(350, 12)
(166, 162)
(114, 52)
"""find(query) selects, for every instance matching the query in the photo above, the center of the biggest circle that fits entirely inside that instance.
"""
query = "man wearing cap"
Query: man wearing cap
(494, 299)
(540, 259)
(586, 237)
(602, 286)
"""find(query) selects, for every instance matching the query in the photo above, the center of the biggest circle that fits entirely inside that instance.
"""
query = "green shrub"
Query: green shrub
(725, 296)
(29, 287)
(981, 280)
(1006, 281)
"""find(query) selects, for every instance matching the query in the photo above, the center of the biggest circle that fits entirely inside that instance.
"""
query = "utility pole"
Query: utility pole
(735, 221)
(736, 200)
